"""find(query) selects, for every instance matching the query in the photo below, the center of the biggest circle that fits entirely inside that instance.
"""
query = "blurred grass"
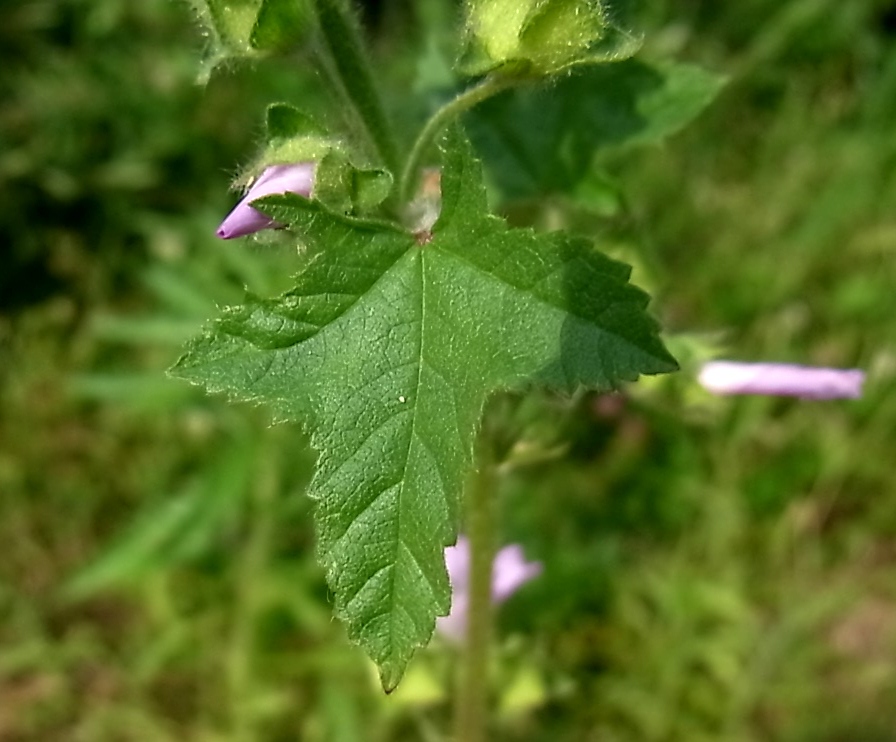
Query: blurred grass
(714, 569)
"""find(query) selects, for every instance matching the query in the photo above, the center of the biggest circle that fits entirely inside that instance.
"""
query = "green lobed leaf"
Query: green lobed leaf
(387, 348)
(536, 141)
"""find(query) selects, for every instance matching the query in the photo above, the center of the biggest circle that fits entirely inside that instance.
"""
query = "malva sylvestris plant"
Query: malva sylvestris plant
(412, 305)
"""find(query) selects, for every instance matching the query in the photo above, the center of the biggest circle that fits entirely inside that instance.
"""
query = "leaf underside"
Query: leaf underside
(387, 348)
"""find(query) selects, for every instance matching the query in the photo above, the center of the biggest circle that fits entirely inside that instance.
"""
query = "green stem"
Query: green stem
(347, 64)
(253, 563)
(471, 711)
(465, 101)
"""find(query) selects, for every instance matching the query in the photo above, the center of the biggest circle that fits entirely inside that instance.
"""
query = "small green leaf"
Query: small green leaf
(370, 188)
(540, 37)
(544, 140)
(387, 349)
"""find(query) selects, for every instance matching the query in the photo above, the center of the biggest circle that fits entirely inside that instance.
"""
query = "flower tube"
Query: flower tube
(781, 379)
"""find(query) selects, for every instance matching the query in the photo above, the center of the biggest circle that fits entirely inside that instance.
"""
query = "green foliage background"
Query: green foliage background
(714, 569)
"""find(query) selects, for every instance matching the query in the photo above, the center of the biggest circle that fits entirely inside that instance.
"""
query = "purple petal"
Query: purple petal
(243, 220)
(510, 571)
(781, 379)
(457, 561)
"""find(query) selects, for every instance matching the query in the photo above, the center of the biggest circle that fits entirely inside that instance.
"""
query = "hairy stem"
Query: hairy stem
(465, 101)
(471, 711)
(347, 63)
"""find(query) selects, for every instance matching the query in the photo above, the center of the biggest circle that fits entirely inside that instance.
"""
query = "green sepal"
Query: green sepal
(344, 188)
(244, 29)
(233, 21)
(283, 121)
(291, 136)
(539, 37)
(281, 25)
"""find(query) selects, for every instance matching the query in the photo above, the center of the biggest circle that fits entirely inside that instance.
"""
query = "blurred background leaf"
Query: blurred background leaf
(540, 141)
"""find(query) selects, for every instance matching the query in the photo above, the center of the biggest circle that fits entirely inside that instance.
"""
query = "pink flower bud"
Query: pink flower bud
(510, 571)
(243, 220)
(781, 379)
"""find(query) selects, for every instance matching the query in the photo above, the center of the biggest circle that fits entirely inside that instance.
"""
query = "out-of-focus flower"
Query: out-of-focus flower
(243, 220)
(781, 379)
(510, 571)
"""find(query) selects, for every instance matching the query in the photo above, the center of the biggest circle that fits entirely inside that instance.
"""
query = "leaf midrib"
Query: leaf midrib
(415, 399)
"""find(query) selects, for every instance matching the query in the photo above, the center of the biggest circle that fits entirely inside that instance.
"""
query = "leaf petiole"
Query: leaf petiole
(490, 86)
(346, 62)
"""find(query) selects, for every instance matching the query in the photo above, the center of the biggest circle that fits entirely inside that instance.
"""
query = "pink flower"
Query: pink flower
(510, 571)
(788, 380)
(243, 220)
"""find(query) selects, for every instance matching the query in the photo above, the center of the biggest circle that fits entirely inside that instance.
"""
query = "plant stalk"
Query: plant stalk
(471, 710)
(253, 563)
(347, 63)
(463, 102)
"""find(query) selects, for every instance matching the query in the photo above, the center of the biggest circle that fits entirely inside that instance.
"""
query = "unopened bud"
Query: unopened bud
(243, 219)
(542, 35)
